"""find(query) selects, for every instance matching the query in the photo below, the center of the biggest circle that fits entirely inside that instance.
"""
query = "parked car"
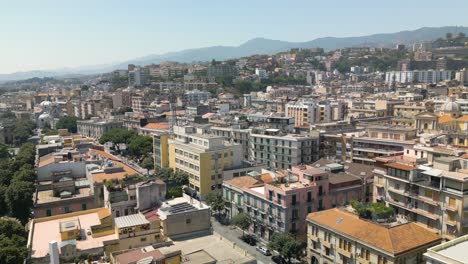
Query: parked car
(250, 239)
(278, 259)
(263, 250)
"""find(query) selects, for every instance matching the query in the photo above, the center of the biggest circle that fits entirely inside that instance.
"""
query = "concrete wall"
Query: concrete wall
(77, 168)
(177, 225)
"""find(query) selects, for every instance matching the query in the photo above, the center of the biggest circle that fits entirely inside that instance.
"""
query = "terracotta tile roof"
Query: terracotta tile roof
(394, 240)
(445, 118)
(177, 112)
(244, 181)
(464, 156)
(266, 178)
(151, 214)
(127, 171)
(463, 118)
(135, 255)
(400, 166)
(104, 154)
(162, 126)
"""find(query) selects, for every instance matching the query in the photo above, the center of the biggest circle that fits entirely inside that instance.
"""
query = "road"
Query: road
(232, 234)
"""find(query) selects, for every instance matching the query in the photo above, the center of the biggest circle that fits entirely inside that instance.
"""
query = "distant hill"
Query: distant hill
(256, 46)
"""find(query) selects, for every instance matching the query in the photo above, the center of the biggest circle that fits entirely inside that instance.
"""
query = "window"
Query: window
(309, 196)
(67, 210)
(188, 221)
(83, 206)
(48, 212)
(143, 239)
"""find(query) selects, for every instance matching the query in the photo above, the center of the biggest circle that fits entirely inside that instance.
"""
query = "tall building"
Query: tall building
(222, 70)
(137, 76)
(203, 157)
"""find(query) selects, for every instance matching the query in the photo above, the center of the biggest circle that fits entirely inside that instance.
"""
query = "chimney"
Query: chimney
(54, 252)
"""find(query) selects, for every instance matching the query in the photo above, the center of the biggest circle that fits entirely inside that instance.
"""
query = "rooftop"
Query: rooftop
(130, 220)
(243, 181)
(453, 251)
(394, 240)
(47, 229)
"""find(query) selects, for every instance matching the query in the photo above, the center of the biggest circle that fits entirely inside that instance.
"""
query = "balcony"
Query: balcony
(344, 252)
(452, 208)
(326, 243)
(362, 260)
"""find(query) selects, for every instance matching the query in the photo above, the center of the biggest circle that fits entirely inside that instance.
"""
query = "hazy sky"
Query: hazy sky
(46, 34)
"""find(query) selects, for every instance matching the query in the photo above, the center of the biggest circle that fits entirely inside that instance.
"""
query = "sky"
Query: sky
(54, 34)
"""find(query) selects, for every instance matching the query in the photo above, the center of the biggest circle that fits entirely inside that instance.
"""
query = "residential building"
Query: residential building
(184, 217)
(150, 255)
(336, 236)
(432, 196)
(194, 97)
(203, 156)
(281, 150)
(222, 70)
(94, 128)
(421, 76)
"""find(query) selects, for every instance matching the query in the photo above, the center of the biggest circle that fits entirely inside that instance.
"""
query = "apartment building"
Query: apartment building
(434, 197)
(94, 128)
(203, 156)
(194, 97)
(280, 150)
(379, 141)
(307, 113)
(129, 196)
(337, 236)
(421, 76)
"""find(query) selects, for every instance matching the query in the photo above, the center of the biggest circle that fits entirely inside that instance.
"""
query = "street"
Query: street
(233, 234)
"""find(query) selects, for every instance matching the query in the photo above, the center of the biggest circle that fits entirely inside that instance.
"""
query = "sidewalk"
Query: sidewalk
(232, 234)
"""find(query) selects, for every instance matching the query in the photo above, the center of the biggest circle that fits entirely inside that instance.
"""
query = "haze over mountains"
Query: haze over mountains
(251, 47)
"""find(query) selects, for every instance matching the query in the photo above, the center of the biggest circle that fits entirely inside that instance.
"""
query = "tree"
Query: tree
(12, 241)
(84, 87)
(180, 178)
(19, 199)
(69, 123)
(242, 221)
(148, 163)
(215, 201)
(3, 205)
(124, 110)
(4, 153)
(117, 136)
(140, 146)
(164, 174)
(26, 174)
(174, 192)
(22, 131)
(287, 246)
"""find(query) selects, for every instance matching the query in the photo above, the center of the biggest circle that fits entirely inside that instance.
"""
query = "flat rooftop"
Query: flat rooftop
(221, 250)
(453, 251)
(47, 196)
(48, 230)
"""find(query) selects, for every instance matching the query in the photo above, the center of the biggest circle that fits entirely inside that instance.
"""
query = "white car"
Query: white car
(263, 250)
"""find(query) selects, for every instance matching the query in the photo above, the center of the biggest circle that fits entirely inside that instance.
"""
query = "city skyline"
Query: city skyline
(50, 35)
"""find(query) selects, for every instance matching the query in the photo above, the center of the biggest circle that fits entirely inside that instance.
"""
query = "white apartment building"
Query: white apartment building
(421, 76)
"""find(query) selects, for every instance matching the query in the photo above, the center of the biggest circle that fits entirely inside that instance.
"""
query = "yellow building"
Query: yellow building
(203, 157)
(161, 149)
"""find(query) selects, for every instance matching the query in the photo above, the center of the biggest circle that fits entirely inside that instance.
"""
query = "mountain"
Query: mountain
(256, 46)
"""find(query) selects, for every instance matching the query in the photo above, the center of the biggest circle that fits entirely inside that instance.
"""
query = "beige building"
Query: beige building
(432, 196)
(336, 236)
(203, 157)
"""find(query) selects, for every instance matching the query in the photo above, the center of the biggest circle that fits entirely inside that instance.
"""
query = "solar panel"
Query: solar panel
(182, 207)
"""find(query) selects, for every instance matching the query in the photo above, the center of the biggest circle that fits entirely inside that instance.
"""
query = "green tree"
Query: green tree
(117, 136)
(4, 153)
(19, 199)
(180, 178)
(22, 131)
(84, 87)
(69, 123)
(164, 174)
(242, 221)
(3, 205)
(287, 246)
(140, 146)
(12, 241)
(215, 201)
(6, 172)
(148, 163)
(174, 192)
(26, 174)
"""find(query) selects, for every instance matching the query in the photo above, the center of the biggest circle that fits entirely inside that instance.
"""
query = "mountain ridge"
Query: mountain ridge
(258, 45)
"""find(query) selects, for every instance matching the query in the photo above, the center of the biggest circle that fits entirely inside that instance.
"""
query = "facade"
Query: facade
(307, 113)
(94, 128)
(194, 97)
(282, 151)
(184, 217)
(421, 76)
(161, 149)
(203, 157)
(336, 236)
(129, 198)
(432, 196)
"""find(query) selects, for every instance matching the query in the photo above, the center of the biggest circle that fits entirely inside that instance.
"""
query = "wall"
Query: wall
(78, 169)
(177, 224)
